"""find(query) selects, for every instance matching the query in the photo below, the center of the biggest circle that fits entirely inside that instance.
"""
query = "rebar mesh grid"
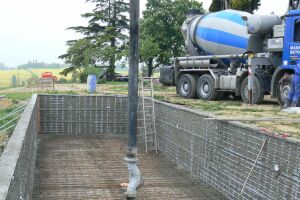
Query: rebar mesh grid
(75, 115)
(91, 167)
(222, 154)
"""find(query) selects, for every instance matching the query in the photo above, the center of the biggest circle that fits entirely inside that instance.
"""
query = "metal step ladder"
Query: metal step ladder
(146, 118)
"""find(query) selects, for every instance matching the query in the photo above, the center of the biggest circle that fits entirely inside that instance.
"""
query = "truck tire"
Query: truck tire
(206, 88)
(187, 86)
(258, 95)
(283, 89)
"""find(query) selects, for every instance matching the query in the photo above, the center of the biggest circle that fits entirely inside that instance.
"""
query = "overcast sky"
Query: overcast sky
(36, 29)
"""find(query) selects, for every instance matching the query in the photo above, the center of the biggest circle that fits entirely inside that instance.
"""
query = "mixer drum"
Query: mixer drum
(221, 33)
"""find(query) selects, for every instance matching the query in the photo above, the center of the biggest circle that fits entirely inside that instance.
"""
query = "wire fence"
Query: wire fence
(10, 120)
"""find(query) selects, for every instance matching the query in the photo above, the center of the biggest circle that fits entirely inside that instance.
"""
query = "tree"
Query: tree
(243, 5)
(149, 49)
(216, 5)
(254, 5)
(108, 24)
(80, 54)
(161, 25)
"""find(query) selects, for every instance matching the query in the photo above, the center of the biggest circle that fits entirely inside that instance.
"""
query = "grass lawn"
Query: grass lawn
(228, 108)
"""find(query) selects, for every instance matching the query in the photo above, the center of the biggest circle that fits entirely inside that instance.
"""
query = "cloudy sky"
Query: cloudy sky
(35, 29)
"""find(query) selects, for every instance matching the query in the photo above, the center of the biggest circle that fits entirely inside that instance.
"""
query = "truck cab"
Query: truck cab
(291, 48)
(290, 56)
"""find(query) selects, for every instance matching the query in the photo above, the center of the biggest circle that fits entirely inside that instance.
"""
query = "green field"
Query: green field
(25, 74)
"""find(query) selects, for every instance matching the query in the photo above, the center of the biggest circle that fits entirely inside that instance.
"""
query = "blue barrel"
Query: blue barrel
(221, 33)
(91, 83)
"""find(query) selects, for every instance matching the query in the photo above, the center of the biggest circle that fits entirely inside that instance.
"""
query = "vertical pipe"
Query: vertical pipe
(133, 74)
(251, 74)
(134, 173)
(252, 82)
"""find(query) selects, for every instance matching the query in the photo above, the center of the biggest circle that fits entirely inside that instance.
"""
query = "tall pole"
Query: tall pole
(131, 159)
(133, 74)
(251, 75)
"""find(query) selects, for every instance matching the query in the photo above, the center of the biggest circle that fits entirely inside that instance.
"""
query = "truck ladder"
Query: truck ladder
(146, 119)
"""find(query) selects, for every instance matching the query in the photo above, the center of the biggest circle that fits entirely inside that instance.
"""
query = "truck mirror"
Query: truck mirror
(294, 4)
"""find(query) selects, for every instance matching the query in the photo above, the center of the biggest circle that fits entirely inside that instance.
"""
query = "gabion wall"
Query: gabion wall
(17, 163)
(222, 154)
(219, 153)
(74, 115)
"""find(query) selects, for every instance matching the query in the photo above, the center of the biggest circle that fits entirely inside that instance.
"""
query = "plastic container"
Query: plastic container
(91, 83)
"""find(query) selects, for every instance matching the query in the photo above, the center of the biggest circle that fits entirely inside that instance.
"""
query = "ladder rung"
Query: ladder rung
(146, 113)
(150, 132)
(151, 149)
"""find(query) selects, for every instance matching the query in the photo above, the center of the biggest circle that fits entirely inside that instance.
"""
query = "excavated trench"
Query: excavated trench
(71, 147)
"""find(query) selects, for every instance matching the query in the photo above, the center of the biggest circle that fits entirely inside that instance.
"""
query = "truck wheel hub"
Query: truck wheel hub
(186, 87)
(204, 89)
(285, 91)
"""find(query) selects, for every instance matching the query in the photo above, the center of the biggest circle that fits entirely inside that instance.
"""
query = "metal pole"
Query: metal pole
(251, 74)
(133, 74)
(131, 159)
(262, 147)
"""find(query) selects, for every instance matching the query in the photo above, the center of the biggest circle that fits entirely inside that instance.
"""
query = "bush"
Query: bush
(92, 70)
(83, 77)
(102, 80)
(31, 81)
(62, 80)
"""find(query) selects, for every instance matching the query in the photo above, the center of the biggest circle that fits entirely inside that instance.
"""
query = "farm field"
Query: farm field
(23, 75)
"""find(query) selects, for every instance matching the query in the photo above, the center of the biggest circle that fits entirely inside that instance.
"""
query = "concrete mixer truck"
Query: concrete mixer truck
(222, 48)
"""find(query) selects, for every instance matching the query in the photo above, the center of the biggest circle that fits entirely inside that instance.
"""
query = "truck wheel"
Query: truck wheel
(283, 89)
(258, 94)
(206, 88)
(187, 86)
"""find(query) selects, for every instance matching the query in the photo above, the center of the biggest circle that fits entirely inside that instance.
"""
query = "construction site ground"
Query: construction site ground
(226, 108)
(91, 167)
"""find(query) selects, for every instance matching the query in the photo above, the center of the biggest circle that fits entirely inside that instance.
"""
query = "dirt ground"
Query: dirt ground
(227, 108)
(5, 103)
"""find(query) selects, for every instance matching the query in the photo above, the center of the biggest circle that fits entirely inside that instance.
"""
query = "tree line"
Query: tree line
(35, 65)
(104, 41)
(41, 65)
